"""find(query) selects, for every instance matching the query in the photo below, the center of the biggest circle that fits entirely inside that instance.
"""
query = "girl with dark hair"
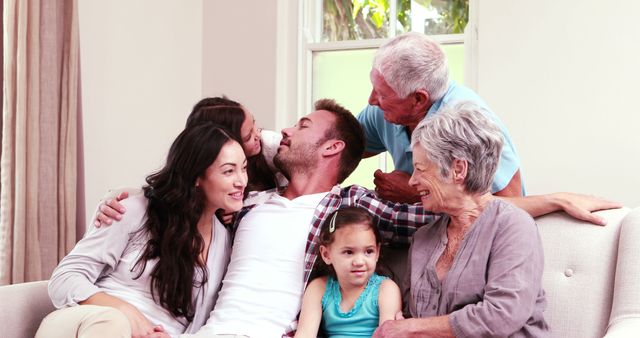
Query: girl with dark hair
(353, 300)
(160, 269)
(241, 123)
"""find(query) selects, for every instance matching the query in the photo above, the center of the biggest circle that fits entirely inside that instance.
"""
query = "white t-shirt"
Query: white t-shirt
(262, 290)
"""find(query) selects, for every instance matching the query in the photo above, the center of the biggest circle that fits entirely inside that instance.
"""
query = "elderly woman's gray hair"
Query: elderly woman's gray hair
(462, 132)
(413, 61)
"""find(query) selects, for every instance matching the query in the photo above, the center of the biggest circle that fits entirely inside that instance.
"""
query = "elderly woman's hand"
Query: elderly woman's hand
(415, 327)
(582, 206)
(393, 328)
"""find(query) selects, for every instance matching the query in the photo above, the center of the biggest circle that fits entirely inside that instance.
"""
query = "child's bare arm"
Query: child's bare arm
(311, 313)
(389, 301)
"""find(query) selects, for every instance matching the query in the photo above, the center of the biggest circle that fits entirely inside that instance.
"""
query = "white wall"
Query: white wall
(239, 39)
(250, 54)
(141, 73)
(564, 77)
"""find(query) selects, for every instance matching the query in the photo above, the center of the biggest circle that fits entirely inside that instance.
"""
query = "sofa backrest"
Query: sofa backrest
(580, 271)
(591, 277)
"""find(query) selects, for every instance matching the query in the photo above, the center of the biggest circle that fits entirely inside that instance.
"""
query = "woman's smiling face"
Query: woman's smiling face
(434, 190)
(223, 182)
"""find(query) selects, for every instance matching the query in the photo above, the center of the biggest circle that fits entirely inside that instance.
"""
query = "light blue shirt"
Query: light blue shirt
(384, 136)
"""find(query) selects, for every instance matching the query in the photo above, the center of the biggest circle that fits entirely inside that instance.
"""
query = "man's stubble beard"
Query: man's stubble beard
(299, 159)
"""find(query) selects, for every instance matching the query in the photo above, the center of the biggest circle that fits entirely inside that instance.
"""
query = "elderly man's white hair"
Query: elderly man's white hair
(413, 61)
(464, 132)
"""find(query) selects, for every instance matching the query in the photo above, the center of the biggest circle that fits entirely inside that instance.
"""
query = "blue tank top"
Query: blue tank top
(361, 320)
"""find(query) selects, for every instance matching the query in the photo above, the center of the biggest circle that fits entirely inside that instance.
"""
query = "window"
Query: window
(341, 40)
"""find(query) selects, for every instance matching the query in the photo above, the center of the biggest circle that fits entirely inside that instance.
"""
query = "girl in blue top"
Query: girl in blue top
(353, 300)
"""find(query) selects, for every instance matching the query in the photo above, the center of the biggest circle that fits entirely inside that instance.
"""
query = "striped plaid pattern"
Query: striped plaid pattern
(397, 222)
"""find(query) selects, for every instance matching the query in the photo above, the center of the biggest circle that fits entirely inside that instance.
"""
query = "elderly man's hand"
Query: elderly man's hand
(581, 206)
(394, 186)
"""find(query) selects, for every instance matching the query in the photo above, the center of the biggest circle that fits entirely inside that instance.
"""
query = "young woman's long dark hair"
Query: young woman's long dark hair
(231, 115)
(174, 209)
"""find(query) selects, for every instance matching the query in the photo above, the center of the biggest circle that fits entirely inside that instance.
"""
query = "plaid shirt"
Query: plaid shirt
(397, 222)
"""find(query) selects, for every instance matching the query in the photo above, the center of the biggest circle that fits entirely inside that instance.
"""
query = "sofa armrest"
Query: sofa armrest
(625, 310)
(24, 307)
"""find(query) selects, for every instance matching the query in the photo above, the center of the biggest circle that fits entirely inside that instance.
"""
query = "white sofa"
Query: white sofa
(592, 280)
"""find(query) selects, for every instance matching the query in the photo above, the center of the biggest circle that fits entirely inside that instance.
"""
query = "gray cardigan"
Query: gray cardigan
(494, 286)
(103, 261)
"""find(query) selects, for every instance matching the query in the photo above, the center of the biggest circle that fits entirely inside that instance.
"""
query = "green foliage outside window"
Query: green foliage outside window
(369, 19)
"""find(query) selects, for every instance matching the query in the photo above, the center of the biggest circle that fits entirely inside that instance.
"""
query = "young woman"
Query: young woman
(160, 268)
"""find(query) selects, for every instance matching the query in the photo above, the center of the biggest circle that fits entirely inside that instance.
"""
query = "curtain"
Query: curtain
(41, 159)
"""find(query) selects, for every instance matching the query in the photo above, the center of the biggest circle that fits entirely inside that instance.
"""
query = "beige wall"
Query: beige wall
(141, 72)
(564, 77)
(239, 39)
(250, 51)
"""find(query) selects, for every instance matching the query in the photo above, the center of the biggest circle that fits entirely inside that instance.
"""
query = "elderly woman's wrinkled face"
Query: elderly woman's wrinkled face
(434, 190)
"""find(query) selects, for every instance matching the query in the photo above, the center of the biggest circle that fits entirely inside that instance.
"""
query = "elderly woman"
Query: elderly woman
(476, 271)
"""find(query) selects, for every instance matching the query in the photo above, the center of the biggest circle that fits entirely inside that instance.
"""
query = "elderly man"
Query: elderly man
(275, 242)
(410, 79)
